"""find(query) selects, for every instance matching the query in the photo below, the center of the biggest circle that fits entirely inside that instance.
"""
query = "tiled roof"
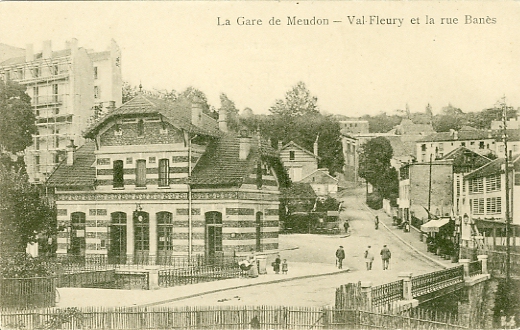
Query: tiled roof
(489, 169)
(400, 148)
(461, 135)
(178, 113)
(81, 174)
(220, 165)
(323, 177)
(292, 143)
(299, 190)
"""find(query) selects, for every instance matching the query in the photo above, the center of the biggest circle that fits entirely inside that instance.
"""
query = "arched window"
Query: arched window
(140, 128)
(164, 231)
(117, 238)
(140, 173)
(118, 177)
(213, 233)
(141, 232)
(77, 234)
(164, 172)
(258, 226)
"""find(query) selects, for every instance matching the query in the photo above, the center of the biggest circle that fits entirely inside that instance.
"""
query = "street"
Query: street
(320, 249)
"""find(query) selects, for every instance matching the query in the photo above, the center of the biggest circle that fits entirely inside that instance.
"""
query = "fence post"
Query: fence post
(465, 263)
(484, 259)
(153, 279)
(366, 292)
(407, 285)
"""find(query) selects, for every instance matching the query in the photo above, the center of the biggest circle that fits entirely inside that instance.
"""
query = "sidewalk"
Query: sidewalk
(78, 297)
(411, 238)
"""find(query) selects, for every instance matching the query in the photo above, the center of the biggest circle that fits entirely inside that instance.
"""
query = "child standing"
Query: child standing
(285, 266)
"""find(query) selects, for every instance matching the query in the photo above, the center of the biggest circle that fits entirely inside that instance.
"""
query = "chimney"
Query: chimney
(244, 144)
(47, 49)
(280, 145)
(490, 135)
(71, 148)
(455, 135)
(316, 145)
(29, 53)
(72, 44)
(222, 120)
(196, 111)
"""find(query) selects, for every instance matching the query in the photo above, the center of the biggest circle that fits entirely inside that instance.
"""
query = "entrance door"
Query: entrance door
(213, 234)
(141, 237)
(258, 225)
(77, 235)
(117, 237)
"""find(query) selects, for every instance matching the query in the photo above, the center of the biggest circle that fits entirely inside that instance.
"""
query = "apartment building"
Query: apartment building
(484, 200)
(439, 144)
(67, 88)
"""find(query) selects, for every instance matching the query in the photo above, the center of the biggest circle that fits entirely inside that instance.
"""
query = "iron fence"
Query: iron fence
(388, 293)
(431, 282)
(198, 274)
(475, 268)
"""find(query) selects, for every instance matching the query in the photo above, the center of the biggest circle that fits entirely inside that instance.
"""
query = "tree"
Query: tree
(228, 106)
(298, 101)
(382, 123)
(23, 213)
(450, 118)
(17, 120)
(191, 93)
(374, 166)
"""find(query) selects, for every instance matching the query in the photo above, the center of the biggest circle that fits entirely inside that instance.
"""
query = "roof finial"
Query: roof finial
(140, 87)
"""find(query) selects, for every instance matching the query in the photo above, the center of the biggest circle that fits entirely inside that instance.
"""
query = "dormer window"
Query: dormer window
(140, 128)
(118, 130)
(291, 155)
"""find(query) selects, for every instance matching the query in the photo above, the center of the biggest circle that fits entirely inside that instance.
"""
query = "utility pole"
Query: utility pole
(508, 218)
(430, 187)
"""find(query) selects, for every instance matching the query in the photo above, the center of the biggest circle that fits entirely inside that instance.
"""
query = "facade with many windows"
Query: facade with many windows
(159, 179)
(66, 87)
(484, 197)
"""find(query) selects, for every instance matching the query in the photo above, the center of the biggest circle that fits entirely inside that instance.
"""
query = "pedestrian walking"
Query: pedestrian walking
(276, 264)
(340, 255)
(385, 256)
(285, 267)
(346, 225)
(369, 258)
(376, 222)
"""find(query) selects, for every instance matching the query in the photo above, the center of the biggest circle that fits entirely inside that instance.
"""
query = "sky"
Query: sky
(353, 69)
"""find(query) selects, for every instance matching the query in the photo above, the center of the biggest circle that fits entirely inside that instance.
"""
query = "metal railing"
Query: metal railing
(387, 293)
(475, 268)
(431, 282)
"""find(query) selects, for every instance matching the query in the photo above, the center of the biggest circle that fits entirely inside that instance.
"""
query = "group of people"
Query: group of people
(250, 265)
(369, 257)
(278, 264)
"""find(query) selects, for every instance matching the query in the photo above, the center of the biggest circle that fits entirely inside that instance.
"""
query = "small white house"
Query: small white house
(322, 182)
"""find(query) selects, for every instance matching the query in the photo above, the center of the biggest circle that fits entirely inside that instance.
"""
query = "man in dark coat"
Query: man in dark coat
(385, 257)
(340, 255)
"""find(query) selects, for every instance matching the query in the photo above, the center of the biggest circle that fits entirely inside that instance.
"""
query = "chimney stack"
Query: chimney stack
(316, 145)
(196, 111)
(244, 144)
(47, 49)
(29, 53)
(280, 145)
(71, 148)
(222, 120)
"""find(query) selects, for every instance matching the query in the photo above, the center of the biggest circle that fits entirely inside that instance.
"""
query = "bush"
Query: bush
(375, 201)
(24, 266)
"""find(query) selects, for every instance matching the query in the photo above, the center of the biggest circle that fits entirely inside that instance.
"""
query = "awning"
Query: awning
(433, 226)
